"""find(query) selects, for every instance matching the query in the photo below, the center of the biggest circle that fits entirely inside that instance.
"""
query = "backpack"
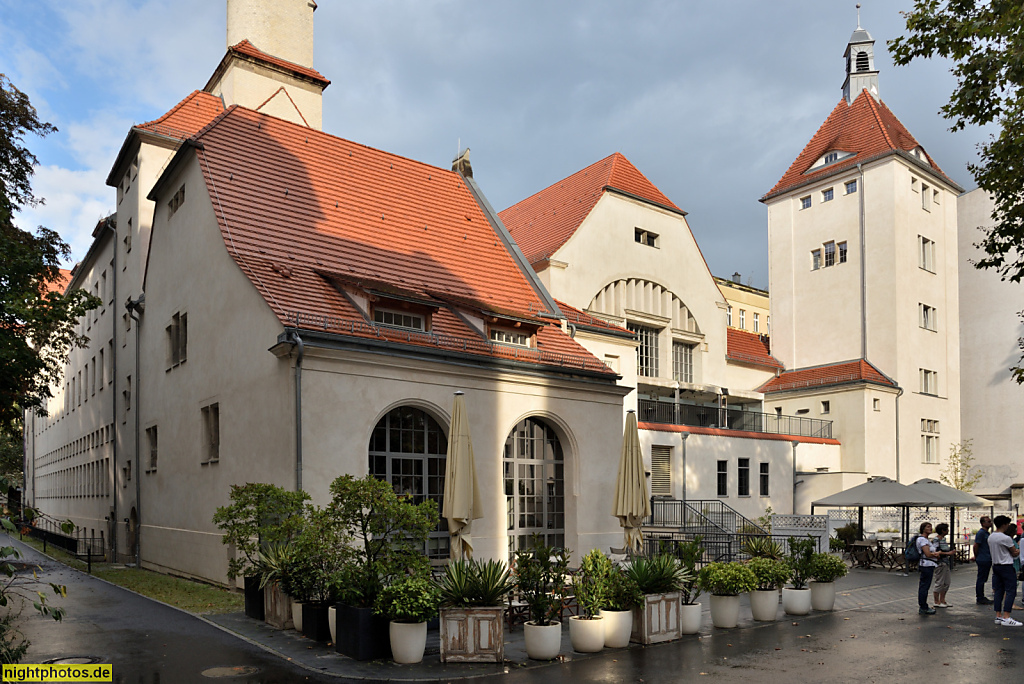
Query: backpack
(912, 553)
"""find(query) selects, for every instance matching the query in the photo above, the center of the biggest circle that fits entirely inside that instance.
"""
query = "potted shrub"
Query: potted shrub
(409, 604)
(658, 579)
(318, 552)
(540, 574)
(771, 574)
(621, 597)
(473, 611)
(825, 570)
(796, 600)
(387, 536)
(587, 630)
(689, 555)
(725, 582)
(259, 514)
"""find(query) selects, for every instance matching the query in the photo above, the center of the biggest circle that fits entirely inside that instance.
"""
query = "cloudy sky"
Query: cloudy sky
(711, 100)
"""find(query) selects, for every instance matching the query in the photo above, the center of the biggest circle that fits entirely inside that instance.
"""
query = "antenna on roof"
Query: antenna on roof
(858, 15)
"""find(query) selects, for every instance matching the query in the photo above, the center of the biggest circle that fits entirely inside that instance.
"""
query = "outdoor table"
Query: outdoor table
(864, 553)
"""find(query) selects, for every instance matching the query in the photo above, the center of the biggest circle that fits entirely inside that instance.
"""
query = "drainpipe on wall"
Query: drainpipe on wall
(795, 445)
(300, 352)
(136, 307)
(683, 436)
(113, 399)
(863, 267)
(898, 395)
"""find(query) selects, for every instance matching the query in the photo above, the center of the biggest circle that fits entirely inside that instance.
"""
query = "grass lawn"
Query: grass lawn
(195, 597)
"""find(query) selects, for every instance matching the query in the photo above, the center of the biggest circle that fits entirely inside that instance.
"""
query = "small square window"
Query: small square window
(876, 404)
(815, 259)
(211, 433)
(851, 187)
(645, 237)
(826, 407)
(842, 252)
(805, 202)
(926, 197)
(935, 196)
(515, 337)
(398, 319)
(827, 195)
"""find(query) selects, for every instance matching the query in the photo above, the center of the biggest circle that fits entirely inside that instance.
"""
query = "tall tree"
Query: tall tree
(37, 321)
(985, 42)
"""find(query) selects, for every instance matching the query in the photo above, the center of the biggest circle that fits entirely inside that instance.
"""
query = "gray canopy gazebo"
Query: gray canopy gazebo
(881, 491)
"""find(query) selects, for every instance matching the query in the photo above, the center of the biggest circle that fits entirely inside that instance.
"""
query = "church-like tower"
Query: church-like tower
(863, 268)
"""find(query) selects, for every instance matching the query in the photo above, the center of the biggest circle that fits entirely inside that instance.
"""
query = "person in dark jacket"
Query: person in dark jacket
(983, 559)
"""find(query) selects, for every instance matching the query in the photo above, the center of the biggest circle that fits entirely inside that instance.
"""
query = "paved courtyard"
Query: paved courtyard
(875, 635)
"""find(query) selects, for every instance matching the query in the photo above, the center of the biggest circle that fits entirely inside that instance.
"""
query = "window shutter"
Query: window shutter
(661, 471)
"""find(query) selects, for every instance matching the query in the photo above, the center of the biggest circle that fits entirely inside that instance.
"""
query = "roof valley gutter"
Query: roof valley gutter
(512, 247)
(300, 353)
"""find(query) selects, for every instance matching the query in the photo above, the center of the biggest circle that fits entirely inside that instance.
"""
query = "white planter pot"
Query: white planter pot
(725, 611)
(587, 636)
(297, 616)
(796, 601)
(617, 626)
(764, 605)
(690, 618)
(823, 595)
(332, 622)
(543, 642)
(408, 640)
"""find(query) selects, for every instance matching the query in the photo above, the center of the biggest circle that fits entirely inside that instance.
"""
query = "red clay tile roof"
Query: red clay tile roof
(297, 205)
(58, 285)
(541, 224)
(830, 374)
(249, 50)
(186, 118)
(574, 315)
(867, 128)
(747, 347)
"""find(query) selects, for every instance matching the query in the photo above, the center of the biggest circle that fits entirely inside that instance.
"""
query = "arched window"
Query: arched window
(863, 64)
(408, 449)
(534, 485)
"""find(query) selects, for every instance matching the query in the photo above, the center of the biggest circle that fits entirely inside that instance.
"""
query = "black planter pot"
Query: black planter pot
(361, 634)
(316, 621)
(253, 598)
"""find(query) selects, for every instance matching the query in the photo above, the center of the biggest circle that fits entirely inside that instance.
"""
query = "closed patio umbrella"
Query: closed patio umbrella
(632, 503)
(461, 496)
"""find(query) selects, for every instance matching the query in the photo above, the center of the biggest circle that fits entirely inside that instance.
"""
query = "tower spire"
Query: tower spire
(860, 64)
(858, 16)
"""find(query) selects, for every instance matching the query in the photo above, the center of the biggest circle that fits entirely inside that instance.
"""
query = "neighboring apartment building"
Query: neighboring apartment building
(614, 248)
(748, 306)
(990, 328)
(862, 236)
(300, 307)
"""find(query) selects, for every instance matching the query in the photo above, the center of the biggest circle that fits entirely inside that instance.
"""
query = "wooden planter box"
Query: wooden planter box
(473, 635)
(277, 607)
(657, 620)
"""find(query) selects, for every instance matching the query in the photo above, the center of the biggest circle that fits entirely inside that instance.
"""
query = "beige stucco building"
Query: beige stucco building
(863, 261)
(748, 307)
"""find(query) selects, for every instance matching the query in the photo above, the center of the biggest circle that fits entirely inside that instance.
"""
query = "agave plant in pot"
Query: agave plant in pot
(725, 582)
(473, 611)
(771, 574)
(409, 604)
(658, 579)
(590, 584)
(272, 561)
(825, 570)
(621, 598)
(540, 574)
(796, 600)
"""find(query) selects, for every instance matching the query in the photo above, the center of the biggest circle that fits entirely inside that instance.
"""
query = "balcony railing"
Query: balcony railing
(671, 413)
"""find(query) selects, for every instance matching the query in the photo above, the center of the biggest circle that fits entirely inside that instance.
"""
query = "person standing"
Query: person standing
(1004, 579)
(943, 568)
(926, 567)
(983, 559)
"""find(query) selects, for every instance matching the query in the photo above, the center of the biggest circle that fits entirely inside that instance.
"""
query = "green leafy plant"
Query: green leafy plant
(540, 574)
(387, 534)
(771, 573)
(826, 568)
(272, 560)
(848, 533)
(727, 579)
(689, 554)
(259, 514)
(622, 593)
(414, 600)
(475, 583)
(317, 554)
(765, 521)
(763, 547)
(836, 544)
(661, 574)
(801, 551)
(591, 583)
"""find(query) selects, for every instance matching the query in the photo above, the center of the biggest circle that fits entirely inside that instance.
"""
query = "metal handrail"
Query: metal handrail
(671, 413)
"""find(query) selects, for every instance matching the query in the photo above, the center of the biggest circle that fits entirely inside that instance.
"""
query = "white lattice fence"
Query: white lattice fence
(801, 526)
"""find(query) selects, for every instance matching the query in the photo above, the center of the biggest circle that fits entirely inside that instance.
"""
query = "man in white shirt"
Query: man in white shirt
(1004, 579)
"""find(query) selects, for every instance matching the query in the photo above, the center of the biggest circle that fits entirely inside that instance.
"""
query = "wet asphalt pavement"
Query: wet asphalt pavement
(875, 635)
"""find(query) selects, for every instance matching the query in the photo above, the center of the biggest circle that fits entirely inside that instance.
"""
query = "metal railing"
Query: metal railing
(668, 412)
(718, 547)
(700, 516)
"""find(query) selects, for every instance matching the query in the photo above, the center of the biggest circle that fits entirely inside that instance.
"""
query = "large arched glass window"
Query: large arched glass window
(534, 485)
(408, 449)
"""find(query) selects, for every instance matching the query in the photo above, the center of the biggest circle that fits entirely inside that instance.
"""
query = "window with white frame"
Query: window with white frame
(815, 259)
(515, 337)
(929, 381)
(930, 440)
(926, 253)
(743, 319)
(661, 470)
(765, 491)
(842, 252)
(830, 254)
(211, 433)
(647, 351)
(926, 197)
(851, 187)
(682, 361)
(728, 316)
(805, 202)
(768, 324)
(926, 317)
(757, 322)
(827, 195)
(723, 478)
(743, 477)
(398, 319)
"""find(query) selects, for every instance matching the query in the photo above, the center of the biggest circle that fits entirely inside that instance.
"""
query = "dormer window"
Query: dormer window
(830, 157)
(516, 337)
(645, 237)
(398, 319)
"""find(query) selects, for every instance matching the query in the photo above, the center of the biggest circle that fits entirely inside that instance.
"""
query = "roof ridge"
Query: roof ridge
(878, 118)
(175, 108)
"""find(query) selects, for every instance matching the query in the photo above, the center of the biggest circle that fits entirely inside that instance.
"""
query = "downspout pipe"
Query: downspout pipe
(683, 436)
(795, 445)
(135, 308)
(898, 395)
(113, 399)
(863, 270)
(300, 351)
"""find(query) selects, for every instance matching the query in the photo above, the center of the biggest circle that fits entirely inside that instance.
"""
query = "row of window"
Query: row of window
(210, 449)
(82, 445)
(91, 379)
(647, 354)
(929, 195)
(828, 194)
(742, 478)
(411, 321)
(829, 254)
(743, 321)
(81, 481)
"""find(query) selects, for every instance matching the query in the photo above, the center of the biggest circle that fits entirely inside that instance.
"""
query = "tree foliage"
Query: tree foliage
(960, 472)
(985, 42)
(37, 322)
